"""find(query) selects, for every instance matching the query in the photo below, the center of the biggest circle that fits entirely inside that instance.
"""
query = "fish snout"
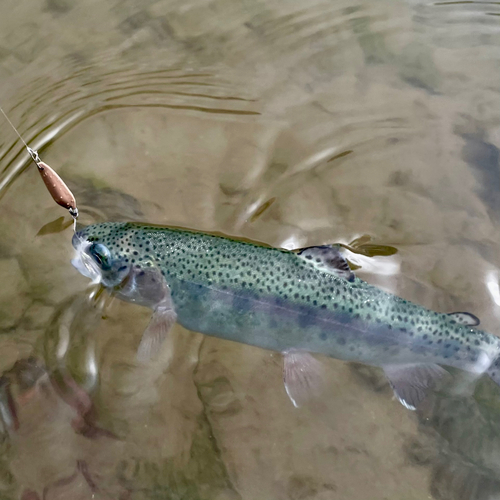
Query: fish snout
(77, 239)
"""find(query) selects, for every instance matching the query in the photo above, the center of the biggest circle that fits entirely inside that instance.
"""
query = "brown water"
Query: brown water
(289, 122)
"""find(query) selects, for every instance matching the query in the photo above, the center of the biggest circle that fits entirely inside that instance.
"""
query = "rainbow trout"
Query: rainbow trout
(295, 302)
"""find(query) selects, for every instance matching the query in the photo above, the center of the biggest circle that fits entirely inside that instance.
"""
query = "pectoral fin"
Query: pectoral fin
(411, 383)
(302, 376)
(164, 317)
(327, 258)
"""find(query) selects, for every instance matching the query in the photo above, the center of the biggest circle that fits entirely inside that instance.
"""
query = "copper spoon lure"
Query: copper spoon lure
(57, 188)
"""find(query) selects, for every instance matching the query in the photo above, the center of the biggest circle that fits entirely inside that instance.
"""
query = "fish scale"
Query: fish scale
(274, 299)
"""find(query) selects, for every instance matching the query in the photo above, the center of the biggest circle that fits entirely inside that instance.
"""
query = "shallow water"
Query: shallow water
(293, 123)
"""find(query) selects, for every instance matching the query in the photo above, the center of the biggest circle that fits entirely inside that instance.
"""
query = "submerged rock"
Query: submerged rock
(13, 288)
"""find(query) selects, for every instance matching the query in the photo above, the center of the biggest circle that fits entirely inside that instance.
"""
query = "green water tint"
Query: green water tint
(291, 123)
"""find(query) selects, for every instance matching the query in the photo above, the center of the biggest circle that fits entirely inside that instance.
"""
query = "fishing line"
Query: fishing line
(57, 188)
(15, 129)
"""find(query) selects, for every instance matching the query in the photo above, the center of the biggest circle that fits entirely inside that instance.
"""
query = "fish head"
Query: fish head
(97, 254)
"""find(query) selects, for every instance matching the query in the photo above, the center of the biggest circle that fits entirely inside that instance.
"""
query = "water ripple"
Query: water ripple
(46, 109)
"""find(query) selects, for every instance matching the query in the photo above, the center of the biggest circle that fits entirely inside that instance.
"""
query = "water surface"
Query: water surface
(289, 122)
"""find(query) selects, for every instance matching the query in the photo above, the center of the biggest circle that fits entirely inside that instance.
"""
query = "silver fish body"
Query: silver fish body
(277, 299)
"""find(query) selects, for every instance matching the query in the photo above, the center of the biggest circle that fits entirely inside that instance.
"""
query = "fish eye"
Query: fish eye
(101, 255)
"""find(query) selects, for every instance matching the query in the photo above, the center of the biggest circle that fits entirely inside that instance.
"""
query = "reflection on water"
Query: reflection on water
(292, 123)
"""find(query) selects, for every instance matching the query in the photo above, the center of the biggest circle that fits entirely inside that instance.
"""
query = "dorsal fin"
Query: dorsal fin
(327, 258)
(465, 318)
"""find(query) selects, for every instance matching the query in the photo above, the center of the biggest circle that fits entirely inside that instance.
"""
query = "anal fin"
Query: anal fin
(302, 376)
(411, 383)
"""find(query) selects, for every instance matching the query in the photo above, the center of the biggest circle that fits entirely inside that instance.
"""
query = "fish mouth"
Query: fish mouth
(82, 261)
(85, 264)
(77, 240)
